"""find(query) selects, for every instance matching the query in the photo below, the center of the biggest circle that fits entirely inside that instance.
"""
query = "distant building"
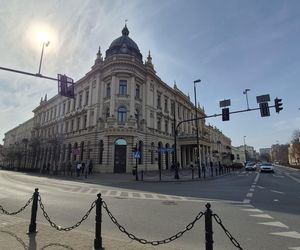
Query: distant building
(119, 104)
(238, 155)
(250, 153)
(265, 151)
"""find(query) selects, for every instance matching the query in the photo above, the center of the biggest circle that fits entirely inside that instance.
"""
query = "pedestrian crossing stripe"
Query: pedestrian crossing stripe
(274, 224)
(291, 234)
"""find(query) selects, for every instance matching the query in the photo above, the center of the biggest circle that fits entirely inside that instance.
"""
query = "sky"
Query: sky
(230, 45)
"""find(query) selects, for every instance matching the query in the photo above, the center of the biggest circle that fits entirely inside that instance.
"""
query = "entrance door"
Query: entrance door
(120, 156)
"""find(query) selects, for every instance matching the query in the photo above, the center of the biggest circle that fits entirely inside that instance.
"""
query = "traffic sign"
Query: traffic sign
(137, 154)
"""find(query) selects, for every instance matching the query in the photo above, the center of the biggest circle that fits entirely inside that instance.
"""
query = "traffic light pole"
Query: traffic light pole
(203, 117)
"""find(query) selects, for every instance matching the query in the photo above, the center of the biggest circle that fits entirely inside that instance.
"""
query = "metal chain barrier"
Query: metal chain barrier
(19, 211)
(155, 242)
(59, 228)
(232, 239)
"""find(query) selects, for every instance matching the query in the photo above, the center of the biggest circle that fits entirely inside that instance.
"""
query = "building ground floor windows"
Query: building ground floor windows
(112, 151)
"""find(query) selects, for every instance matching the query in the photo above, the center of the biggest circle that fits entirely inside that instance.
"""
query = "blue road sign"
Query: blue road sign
(137, 154)
(164, 150)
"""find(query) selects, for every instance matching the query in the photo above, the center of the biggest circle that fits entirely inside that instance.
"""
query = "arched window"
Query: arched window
(101, 149)
(122, 112)
(75, 151)
(69, 152)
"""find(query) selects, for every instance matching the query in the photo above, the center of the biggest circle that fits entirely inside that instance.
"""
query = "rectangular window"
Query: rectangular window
(74, 103)
(69, 106)
(86, 97)
(166, 126)
(172, 108)
(166, 104)
(85, 121)
(67, 127)
(80, 101)
(78, 123)
(72, 126)
(123, 87)
(158, 124)
(159, 100)
(137, 91)
(108, 90)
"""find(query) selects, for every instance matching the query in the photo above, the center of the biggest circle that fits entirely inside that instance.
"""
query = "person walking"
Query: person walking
(78, 168)
(90, 166)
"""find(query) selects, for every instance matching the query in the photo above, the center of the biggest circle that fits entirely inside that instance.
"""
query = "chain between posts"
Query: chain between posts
(155, 242)
(59, 228)
(232, 239)
(19, 211)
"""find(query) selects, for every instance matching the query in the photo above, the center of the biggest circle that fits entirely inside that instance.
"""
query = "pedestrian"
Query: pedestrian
(70, 169)
(192, 165)
(82, 168)
(78, 168)
(63, 168)
(90, 166)
(85, 169)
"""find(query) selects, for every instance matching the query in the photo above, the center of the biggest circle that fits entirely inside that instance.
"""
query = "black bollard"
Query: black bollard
(193, 173)
(199, 172)
(208, 228)
(212, 172)
(98, 237)
(32, 226)
(216, 171)
(142, 175)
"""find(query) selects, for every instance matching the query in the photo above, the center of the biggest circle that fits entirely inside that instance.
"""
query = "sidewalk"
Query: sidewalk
(13, 236)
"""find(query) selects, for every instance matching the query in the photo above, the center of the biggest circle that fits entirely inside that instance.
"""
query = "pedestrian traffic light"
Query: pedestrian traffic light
(278, 104)
(225, 114)
(264, 109)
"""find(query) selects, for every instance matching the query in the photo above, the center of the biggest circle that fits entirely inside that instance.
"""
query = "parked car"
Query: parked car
(267, 167)
(250, 166)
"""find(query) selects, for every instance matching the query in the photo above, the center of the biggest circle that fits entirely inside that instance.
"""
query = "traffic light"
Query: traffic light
(278, 104)
(225, 114)
(264, 109)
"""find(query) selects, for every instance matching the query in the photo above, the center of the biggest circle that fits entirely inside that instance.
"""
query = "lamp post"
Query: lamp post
(47, 44)
(245, 148)
(245, 93)
(197, 126)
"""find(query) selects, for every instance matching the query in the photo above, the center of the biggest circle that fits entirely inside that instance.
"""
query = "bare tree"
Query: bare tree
(295, 146)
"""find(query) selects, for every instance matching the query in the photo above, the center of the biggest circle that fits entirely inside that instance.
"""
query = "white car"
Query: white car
(266, 167)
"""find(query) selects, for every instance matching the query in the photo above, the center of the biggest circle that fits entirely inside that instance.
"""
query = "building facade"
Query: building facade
(121, 104)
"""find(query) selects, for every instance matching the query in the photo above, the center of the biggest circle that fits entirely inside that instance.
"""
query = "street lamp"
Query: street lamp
(245, 148)
(47, 44)
(197, 126)
(245, 93)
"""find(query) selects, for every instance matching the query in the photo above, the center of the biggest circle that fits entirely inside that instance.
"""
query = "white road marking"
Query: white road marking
(277, 192)
(251, 189)
(246, 205)
(274, 224)
(256, 178)
(291, 234)
(246, 201)
(293, 178)
(260, 187)
(275, 200)
(252, 210)
(253, 186)
(266, 216)
(294, 248)
(249, 195)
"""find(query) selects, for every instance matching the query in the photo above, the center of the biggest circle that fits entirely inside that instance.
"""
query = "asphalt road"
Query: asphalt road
(261, 211)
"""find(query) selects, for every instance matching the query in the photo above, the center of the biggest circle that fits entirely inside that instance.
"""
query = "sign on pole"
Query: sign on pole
(137, 154)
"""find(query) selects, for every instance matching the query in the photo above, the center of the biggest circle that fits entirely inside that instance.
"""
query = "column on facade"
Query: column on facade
(96, 112)
(155, 106)
(112, 96)
(88, 117)
(100, 101)
(132, 96)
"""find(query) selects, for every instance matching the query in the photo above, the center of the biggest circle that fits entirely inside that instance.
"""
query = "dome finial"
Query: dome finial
(125, 31)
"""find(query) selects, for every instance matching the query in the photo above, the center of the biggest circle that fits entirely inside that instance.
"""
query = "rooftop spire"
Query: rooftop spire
(125, 31)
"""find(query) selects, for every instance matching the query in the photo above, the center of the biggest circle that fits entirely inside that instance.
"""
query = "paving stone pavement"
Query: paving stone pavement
(13, 236)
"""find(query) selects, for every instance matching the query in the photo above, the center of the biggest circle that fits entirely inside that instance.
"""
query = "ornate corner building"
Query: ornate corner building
(119, 104)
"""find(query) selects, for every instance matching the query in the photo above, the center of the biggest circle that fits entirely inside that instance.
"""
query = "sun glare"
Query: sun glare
(39, 33)
(42, 37)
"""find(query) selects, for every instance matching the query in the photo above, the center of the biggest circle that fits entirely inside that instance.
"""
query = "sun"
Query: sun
(39, 33)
